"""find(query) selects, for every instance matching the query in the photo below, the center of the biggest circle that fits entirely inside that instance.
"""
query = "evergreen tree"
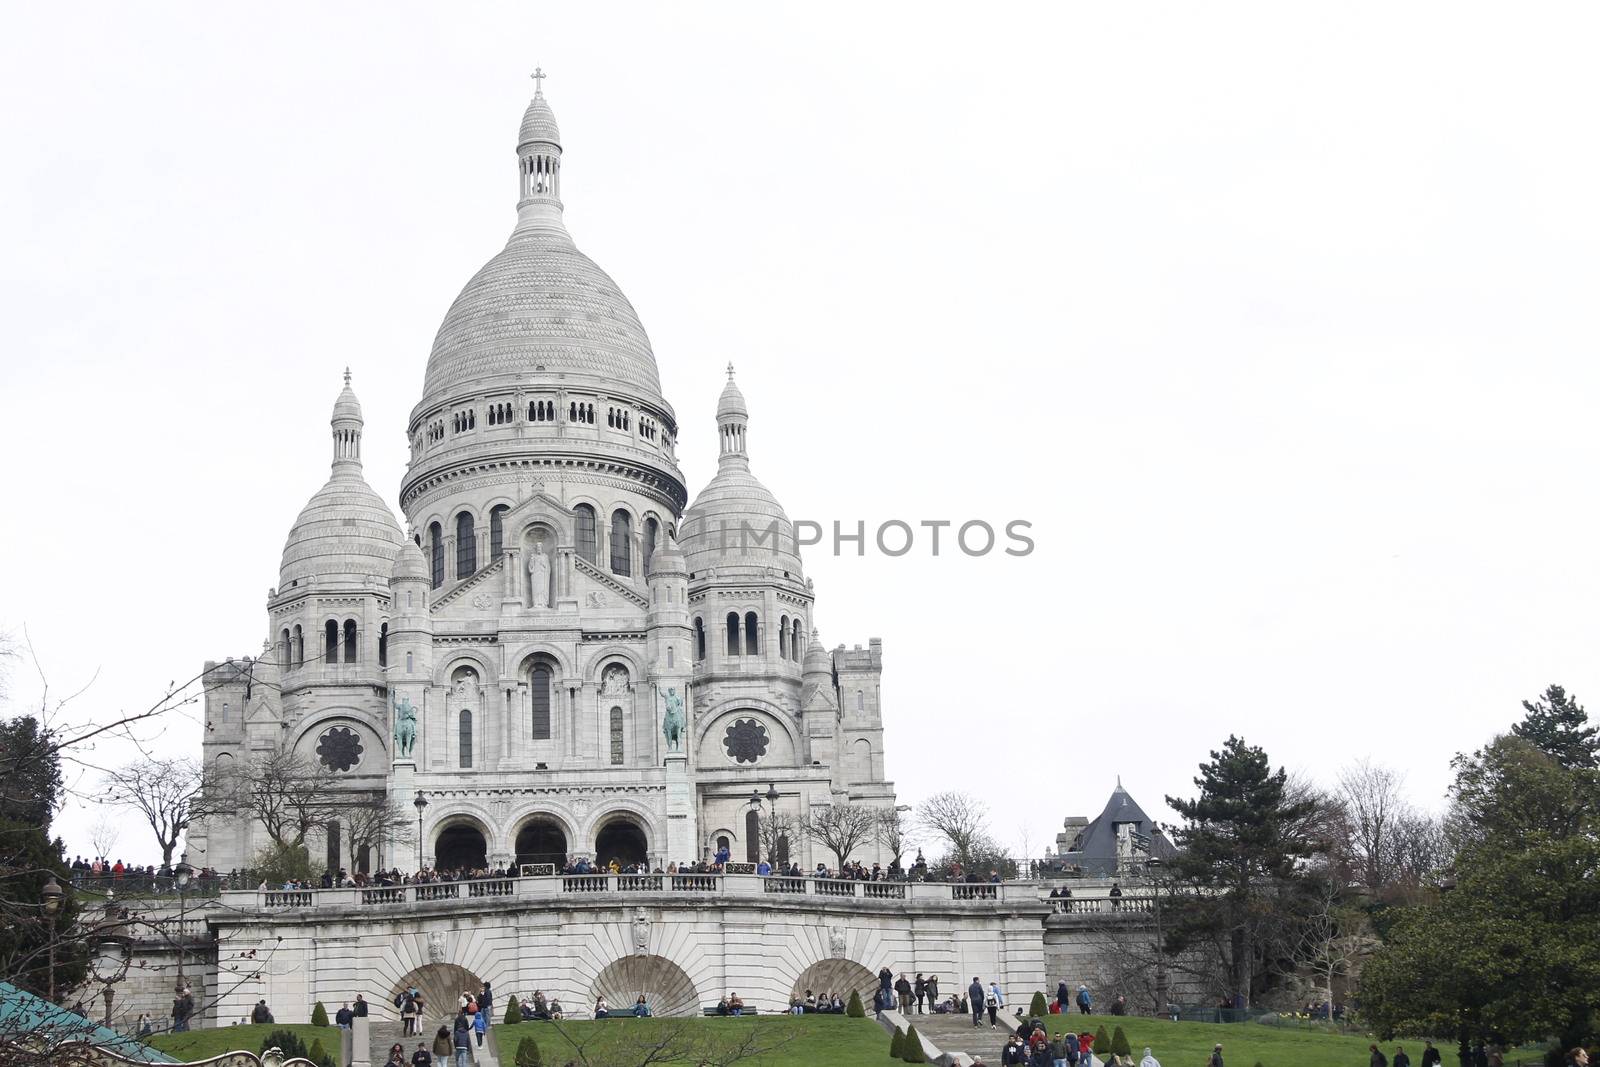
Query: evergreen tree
(897, 1044)
(1557, 725)
(854, 1009)
(912, 1051)
(1119, 1043)
(1239, 844)
(513, 1011)
(319, 1015)
(528, 1054)
(1038, 1008)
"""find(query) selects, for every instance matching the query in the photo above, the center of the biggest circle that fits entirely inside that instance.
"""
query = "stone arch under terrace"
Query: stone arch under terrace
(666, 986)
(836, 976)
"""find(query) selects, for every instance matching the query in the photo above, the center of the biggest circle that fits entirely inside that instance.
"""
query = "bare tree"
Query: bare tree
(777, 833)
(1335, 939)
(894, 830)
(1374, 802)
(959, 819)
(374, 820)
(162, 791)
(103, 836)
(841, 828)
(289, 795)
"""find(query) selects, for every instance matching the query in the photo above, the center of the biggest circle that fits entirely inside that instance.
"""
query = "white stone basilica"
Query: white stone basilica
(561, 660)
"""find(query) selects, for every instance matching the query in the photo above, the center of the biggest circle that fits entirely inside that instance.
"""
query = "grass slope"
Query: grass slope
(1188, 1044)
(199, 1044)
(812, 1041)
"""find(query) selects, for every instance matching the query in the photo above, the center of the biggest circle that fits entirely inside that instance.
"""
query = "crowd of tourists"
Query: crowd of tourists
(451, 1044)
(103, 873)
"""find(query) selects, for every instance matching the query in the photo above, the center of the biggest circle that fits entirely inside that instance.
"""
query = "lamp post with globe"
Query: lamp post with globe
(50, 897)
(421, 804)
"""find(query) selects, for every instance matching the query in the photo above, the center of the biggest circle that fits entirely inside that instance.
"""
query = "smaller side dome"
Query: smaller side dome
(347, 407)
(409, 564)
(539, 123)
(818, 659)
(731, 403)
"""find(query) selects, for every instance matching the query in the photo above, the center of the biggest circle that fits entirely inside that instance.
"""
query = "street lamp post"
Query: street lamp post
(182, 873)
(420, 804)
(1155, 864)
(50, 900)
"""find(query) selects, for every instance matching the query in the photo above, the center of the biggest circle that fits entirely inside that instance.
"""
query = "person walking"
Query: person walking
(1083, 999)
(441, 1045)
(480, 1025)
(975, 1000)
(486, 1002)
(1400, 1057)
(1377, 1058)
(1216, 1056)
(422, 1057)
(1149, 1060)
(1061, 996)
(992, 1002)
(461, 1039)
(1431, 1056)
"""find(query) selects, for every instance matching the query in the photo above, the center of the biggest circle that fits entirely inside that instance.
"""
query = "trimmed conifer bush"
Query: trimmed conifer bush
(1102, 1040)
(1119, 1043)
(513, 1011)
(897, 1044)
(319, 1055)
(1038, 1008)
(528, 1054)
(854, 1009)
(913, 1048)
(319, 1015)
(286, 1040)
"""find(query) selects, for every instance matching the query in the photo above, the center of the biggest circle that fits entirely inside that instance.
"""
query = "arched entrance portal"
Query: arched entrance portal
(441, 985)
(622, 840)
(541, 841)
(837, 976)
(460, 848)
(664, 984)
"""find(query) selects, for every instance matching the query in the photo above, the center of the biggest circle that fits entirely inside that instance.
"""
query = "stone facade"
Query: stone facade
(514, 653)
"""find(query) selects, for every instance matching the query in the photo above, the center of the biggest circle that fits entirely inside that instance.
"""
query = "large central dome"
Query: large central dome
(540, 307)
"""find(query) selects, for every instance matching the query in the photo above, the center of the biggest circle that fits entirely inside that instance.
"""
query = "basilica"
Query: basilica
(554, 658)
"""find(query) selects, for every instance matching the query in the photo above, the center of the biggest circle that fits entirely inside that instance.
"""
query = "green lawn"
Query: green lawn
(812, 1041)
(199, 1044)
(1188, 1044)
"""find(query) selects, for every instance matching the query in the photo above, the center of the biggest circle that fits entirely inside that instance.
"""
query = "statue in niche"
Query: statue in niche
(836, 942)
(405, 726)
(615, 680)
(641, 932)
(465, 681)
(672, 723)
(539, 576)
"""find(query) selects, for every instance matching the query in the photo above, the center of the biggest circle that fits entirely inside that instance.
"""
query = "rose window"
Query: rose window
(339, 749)
(746, 740)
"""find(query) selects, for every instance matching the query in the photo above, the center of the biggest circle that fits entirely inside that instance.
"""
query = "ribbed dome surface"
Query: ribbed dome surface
(539, 123)
(541, 303)
(732, 524)
(409, 563)
(731, 402)
(344, 533)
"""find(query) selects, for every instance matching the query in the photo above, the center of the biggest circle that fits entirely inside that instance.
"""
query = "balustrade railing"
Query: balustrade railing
(583, 883)
(384, 895)
(695, 883)
(639, 883)
(495, 887)
(783, 885)
(989, 891)
(437, 891)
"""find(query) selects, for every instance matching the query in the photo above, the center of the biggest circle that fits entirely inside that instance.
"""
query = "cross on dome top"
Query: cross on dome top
(538, 77)
(730, 372)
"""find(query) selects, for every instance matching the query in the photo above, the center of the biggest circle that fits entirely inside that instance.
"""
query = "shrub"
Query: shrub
(913, 1048)
(1038, 1008)
(319, 1015)
(528, 1053)
(319, 1055)
(1102, 1041)
(854, 1009)
(513, 1011)
(287, 1041)
(897, 1045)
(1119, 1043)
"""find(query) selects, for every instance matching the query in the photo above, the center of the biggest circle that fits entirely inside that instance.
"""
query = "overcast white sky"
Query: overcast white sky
(1276, 321)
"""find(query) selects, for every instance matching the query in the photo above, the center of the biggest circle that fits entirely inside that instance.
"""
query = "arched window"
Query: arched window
(652, 530)
(409, 663)
(621, 543)
(783, 637)
(383, 645)
(616, 737)
(497, 531)
(794, 642)
(699, 639)
(752, 836)
(539, 693)
(750, 646)
(466, 738)
(733, 633)
(299, 646)
(330, 642)
(585, 535)
(286, 657)
(436, 554)
(669, 655)
(349, 640)
(466, 546)
(861, 700)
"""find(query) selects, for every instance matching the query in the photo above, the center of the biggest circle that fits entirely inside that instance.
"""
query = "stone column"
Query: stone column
(512, 593)
(450, 557)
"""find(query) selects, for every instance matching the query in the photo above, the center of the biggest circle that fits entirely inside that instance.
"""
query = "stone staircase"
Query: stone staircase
(383, 1034)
